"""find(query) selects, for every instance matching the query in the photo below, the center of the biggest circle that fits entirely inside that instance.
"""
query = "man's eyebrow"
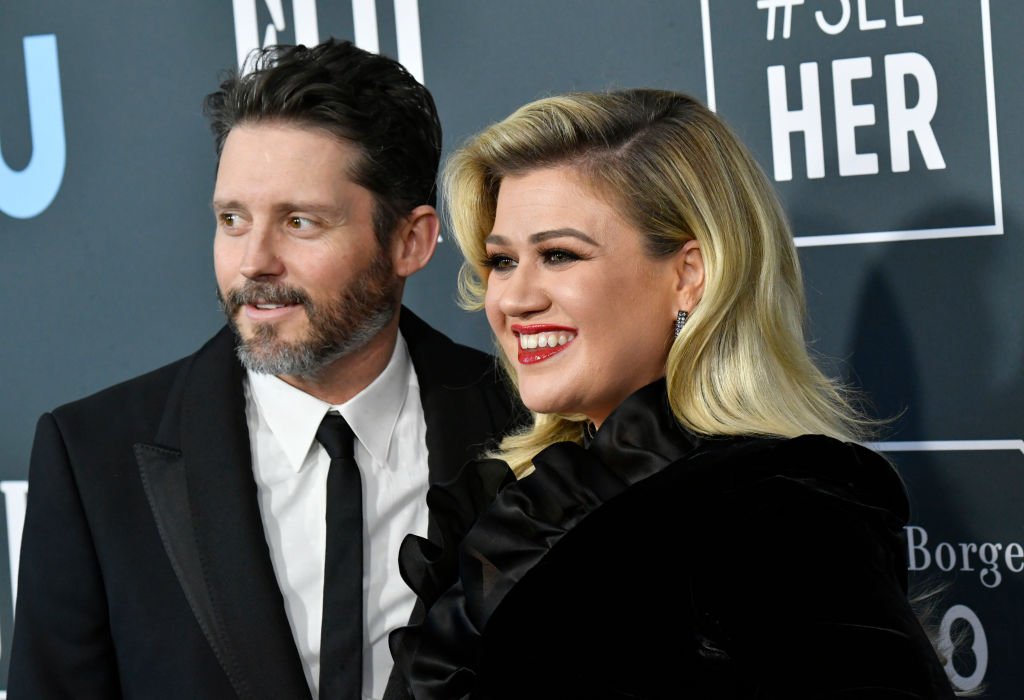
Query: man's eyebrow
(225, 204)
(283, 207)
(541, 236)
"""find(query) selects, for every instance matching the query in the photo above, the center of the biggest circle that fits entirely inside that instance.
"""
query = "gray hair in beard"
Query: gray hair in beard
(337, 327)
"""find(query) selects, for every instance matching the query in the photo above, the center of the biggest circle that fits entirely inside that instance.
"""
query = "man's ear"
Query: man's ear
(415, 241)
(689, 275)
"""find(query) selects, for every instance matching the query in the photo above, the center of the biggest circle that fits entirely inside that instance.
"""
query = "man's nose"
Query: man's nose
(261, 253)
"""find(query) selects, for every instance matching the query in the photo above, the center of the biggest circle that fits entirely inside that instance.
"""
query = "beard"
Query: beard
(337, 327)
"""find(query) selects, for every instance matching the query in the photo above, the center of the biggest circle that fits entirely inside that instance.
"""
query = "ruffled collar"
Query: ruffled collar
(495, 529)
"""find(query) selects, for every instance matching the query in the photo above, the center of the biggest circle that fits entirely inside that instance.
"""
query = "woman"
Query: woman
(691, 518)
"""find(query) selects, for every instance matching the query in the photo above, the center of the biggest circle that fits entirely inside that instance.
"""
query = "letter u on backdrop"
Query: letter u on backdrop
(27, 193)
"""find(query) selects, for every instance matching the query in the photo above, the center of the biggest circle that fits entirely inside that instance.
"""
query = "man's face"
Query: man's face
(300, 274)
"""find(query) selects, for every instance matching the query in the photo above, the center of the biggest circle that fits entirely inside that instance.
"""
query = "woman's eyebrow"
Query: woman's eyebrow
(541, 236)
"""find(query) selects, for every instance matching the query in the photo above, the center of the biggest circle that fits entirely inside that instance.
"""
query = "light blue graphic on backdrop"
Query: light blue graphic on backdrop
(27, 193)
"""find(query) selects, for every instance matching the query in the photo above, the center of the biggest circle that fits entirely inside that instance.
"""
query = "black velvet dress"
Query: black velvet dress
(656, 564)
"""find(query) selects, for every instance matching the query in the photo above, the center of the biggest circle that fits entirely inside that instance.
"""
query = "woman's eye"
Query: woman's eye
(499, 262)
(558, 256)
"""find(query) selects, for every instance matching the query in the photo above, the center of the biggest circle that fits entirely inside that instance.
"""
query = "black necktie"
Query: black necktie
(341, 635)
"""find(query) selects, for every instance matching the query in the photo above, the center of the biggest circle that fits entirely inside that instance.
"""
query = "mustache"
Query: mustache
(263, 293)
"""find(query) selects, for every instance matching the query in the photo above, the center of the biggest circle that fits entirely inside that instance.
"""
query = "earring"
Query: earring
(680, 322)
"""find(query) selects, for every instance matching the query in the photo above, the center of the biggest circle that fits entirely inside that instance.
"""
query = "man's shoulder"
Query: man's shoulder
(459, 380)
(434, 351)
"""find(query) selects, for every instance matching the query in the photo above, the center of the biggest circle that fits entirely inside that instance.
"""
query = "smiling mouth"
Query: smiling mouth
(262, 301)
(267, 311)
(542, 343)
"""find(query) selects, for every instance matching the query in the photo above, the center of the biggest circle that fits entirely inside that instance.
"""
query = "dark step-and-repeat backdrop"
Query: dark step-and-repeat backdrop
(891, 129)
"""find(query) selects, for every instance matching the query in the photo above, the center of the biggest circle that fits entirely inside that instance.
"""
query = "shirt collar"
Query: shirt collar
(293, 416)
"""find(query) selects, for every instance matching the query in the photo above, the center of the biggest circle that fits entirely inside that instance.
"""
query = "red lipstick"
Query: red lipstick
(532, 355)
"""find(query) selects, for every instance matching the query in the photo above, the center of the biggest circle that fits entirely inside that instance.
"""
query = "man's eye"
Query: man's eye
(299, 223)
(228, 220)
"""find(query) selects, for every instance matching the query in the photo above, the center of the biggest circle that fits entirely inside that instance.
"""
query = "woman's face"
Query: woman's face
(579, 308)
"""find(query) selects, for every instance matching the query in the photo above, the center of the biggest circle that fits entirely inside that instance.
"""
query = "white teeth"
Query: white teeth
(269, 306)
(544, 340)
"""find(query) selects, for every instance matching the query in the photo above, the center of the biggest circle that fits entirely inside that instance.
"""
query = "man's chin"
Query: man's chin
(279, 358)
(267, 348)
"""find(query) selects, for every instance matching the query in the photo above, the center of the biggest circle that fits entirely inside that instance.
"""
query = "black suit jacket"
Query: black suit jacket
(145, 572)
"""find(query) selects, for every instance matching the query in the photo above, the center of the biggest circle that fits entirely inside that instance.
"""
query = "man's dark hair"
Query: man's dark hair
(366, 99)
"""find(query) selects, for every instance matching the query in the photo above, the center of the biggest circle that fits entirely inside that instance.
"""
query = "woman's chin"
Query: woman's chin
(544, 402)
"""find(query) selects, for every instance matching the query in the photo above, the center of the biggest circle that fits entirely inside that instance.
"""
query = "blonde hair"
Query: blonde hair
(741, 365)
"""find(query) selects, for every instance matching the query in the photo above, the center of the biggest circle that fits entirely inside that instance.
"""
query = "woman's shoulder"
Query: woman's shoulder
(644, 444)
(757, 472)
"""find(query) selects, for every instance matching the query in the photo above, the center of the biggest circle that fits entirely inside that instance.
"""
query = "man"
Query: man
(175, 537)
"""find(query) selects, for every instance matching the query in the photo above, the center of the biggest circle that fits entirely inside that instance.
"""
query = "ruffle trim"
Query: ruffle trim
(496, 529)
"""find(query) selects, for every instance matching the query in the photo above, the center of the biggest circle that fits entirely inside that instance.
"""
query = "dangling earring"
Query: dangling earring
(680, 322)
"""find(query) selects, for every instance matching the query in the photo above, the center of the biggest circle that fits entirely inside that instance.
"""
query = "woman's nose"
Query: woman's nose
(521, 294)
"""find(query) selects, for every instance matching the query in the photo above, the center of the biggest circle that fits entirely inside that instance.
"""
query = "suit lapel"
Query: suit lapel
(204, 499)
(163, 479)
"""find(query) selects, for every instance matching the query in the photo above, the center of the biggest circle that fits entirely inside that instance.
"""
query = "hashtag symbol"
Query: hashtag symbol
(787, 15)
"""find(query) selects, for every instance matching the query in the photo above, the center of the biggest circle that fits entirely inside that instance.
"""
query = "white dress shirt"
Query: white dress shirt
(290, 468)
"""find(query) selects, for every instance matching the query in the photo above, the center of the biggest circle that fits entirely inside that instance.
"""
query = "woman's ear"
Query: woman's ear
(415, 241)
(690, 275)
